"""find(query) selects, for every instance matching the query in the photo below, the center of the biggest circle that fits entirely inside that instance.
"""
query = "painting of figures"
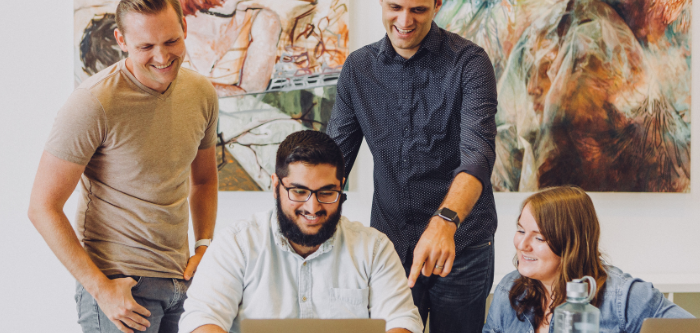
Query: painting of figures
(274, 65)
(594, 93)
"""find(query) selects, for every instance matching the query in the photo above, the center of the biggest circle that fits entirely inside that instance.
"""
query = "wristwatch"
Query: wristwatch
(202, 242)
(448, 215)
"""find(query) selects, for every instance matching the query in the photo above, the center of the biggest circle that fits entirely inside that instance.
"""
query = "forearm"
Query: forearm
(209, 329)
(55, 228)
(54, 183)
(204, 192)
(435, 251)
(398, 330)
(463, 194)
(203, 206)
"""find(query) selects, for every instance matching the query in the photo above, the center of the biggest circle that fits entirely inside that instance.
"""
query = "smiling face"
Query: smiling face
(535, 258)
(407, 22)
(301, 222)
(156, 46)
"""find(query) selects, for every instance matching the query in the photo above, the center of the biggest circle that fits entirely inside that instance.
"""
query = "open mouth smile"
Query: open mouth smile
(311, 219)
(164, 66)
(403, 32)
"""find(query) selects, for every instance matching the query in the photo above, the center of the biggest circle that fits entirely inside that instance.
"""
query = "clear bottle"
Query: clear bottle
(577, 315)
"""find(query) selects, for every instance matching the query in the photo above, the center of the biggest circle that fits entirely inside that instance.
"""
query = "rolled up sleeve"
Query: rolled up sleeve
(217, 288)
(390, 297)
(478, 124)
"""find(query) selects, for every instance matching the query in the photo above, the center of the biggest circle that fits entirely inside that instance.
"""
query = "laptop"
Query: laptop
(668, 325)
(313, 325)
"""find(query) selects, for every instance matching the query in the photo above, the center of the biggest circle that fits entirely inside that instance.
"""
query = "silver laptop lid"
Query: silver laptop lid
(670, 325)
(313, 325)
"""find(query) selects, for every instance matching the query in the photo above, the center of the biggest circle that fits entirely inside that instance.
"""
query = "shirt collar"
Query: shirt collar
(431, 42)
(284, 244)
(433, 39)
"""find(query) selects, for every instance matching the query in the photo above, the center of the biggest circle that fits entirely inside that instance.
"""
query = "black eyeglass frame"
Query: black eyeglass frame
(312, 192)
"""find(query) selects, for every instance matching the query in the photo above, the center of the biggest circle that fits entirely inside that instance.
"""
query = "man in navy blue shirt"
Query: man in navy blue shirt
(425, 101)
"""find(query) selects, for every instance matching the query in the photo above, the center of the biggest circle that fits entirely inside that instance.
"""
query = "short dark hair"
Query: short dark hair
(310, 147)
(145, 7)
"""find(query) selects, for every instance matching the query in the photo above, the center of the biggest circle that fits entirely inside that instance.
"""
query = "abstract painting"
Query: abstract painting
(594, 93)
(273, 63)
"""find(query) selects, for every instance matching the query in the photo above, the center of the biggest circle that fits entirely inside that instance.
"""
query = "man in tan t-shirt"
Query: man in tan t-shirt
(140, 138)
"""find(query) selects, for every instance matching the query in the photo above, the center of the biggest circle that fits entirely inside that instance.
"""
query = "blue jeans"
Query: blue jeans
(163, 297)
(457, 302)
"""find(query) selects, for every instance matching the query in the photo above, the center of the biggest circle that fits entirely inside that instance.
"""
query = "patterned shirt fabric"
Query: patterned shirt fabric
(251, 271)
(425, 120)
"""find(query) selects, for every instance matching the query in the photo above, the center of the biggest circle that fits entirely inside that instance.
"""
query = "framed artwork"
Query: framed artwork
(273, 63)
(594, 93)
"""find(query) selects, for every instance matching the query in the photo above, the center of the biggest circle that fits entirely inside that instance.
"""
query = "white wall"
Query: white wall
(654, 236)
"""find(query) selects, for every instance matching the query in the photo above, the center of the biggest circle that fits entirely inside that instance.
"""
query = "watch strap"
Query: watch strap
(456, 220)
(202, 242)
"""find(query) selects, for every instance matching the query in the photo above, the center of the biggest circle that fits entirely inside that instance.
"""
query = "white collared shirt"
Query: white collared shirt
(251, 271)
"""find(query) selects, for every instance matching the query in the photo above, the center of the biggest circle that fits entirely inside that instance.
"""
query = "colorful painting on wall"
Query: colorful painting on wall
(274, 64)
(594, 93)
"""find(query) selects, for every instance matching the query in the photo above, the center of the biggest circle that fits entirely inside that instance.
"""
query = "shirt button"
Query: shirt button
(303, 299)
(304, 264)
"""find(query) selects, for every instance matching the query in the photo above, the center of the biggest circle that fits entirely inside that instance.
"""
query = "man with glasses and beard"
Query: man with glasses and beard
(302, 259)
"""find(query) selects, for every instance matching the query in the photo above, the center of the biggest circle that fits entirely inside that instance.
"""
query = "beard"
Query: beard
(294, 234)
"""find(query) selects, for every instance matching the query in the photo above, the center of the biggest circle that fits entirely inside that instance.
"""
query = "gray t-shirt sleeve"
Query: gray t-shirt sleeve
(79, 128)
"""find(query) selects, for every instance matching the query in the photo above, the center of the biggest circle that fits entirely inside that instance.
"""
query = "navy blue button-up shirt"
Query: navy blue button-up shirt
(425, 119)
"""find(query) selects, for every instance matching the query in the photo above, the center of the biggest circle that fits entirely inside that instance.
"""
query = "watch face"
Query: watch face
(448, 214)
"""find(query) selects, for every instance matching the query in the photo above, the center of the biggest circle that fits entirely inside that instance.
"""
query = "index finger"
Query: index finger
(189, 271)
(418, 260)
(130, 321)
(413, 275)
(121, 326)
(139, 309)
(135, 321)
(191, 267)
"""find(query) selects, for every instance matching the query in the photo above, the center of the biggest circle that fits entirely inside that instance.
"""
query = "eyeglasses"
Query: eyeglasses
(298, 194)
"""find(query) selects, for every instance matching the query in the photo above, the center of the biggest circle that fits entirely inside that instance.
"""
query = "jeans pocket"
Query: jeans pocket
(88, 310)
(139, 280)
(479, 246)
(78, 296)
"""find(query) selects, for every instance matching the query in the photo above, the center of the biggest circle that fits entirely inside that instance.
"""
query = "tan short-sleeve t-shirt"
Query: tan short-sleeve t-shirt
(137, 146)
